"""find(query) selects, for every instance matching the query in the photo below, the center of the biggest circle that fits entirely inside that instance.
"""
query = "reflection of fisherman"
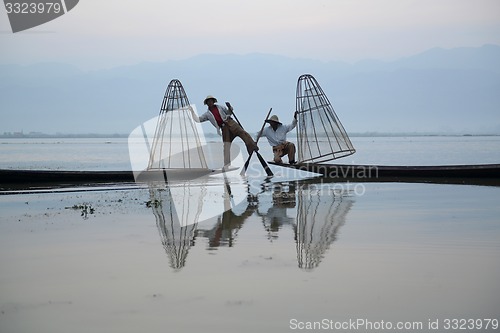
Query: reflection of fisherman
(220, 117)
(284, 198)
(226, 227)
(276, 135)
(229, 222)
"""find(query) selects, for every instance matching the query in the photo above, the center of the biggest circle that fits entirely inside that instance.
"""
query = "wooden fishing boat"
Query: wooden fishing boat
(38, 177)
(353, 171)
(481, 174)
(321, 139)
(478, 173)
(12, 176)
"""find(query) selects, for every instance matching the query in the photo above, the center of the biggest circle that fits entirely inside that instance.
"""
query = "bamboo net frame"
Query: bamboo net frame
(174, 221)
(176, 142)
(318, 222)
(320, 135)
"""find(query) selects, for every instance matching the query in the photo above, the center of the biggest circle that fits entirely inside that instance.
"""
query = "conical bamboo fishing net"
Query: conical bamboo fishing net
(320, 136)
(176, 143)
(319, 219)
(174, 221)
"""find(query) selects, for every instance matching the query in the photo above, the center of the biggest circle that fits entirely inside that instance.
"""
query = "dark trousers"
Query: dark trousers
(286, 148)
(230, 131)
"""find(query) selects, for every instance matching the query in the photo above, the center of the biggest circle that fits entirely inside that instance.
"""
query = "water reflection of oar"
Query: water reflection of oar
(245, 167)
(228, 190)
(261, 159)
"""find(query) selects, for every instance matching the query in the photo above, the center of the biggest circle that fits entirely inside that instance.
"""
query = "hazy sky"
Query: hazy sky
(108, 33)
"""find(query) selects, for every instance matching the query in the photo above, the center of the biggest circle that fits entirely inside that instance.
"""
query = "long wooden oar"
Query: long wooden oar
(261, 159)
(245, 167)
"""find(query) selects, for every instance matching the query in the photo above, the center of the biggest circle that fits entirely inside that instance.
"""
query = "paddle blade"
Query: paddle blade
(264, 165)
(245, 167)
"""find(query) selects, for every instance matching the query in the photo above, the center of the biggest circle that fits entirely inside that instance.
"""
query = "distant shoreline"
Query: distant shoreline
(38, 135)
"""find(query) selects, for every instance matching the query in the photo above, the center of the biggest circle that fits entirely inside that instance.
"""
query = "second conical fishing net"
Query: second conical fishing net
(176, 143)
(320, 135)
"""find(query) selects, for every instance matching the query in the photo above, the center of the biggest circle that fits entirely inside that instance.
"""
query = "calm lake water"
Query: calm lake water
(113, 154)
(276, 256)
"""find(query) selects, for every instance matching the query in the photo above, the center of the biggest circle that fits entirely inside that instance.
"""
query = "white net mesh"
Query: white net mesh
(177, 235)
(177, 143)
(320, 136)
(318, 222)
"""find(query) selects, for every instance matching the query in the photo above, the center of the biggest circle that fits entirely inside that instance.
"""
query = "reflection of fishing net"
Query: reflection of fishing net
(176, 143)
(174, 221)
(319, 217)
(320, 136)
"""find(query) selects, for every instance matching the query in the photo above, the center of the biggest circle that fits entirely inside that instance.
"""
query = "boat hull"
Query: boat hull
(483, 174)
(24, 178)
(473, 174)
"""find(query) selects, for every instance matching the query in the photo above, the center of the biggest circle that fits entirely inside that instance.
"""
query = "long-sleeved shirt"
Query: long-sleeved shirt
(279, 136)
(208, 115)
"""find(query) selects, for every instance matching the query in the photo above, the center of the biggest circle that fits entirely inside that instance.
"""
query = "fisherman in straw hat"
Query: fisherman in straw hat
(276, 135)
(220, 117)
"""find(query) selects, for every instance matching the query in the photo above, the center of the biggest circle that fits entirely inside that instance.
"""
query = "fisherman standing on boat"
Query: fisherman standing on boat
(220, 117)
(276, 135)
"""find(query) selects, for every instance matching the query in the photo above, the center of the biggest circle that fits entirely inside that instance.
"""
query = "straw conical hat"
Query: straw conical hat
(274, 118)
(209, 97)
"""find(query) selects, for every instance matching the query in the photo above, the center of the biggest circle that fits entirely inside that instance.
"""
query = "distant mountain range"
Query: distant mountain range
(449, 91)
